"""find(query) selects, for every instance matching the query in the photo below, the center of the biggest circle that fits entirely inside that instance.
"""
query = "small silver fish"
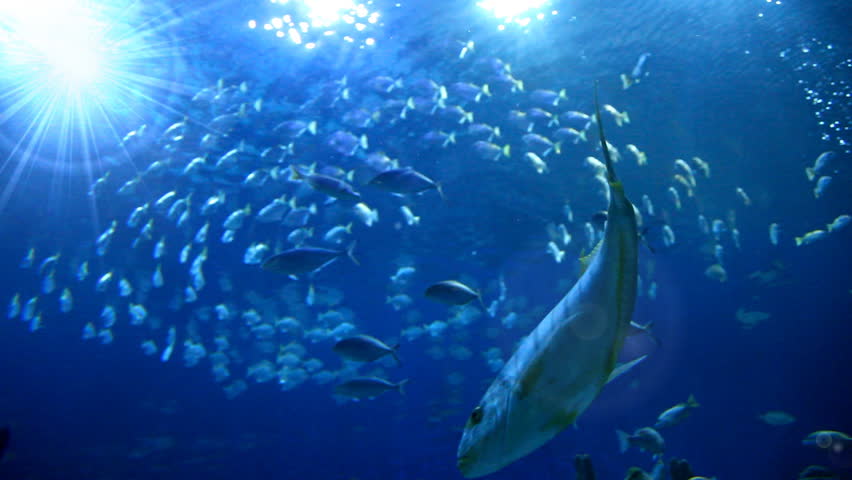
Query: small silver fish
(364, 348)
(452, 292)
(368, 387)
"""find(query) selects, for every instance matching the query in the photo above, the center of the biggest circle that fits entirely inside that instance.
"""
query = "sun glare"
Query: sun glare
(518, 12)
(74, 74)
(57, 38)
(307, 22)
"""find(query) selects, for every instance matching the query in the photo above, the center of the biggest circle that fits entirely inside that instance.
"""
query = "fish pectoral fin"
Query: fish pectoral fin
(623, 368)
(561, 419)
(586, 260)
(530, 377)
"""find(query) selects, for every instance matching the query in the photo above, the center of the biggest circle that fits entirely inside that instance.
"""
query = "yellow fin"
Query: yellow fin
(586, 260)
(530, 378)
(561, 419)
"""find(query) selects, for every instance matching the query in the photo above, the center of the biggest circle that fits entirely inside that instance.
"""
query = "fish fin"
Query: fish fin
(440, 191)
(645, 241)
(623, 440)
(586, 260)
(647, 329)
(692, 402)
(481, 302)
(530, 377)
(562, 419)
(401, 386)
(611, 177)
(394, 348)
(350, 252)
(624, 368)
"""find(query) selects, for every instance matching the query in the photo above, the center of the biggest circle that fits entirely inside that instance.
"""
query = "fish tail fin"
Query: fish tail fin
(401, 386)
(623, 440)
(440, 191)
(799, 241)
(481, 301)
(692, 402)
(611, 177)
(810, 173)
(643, 237)
(394, 349)
(295, 174)
(350, 252)
(451, 138)
(650, 332)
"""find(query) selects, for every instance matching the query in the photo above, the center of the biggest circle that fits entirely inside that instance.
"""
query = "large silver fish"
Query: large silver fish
(560, 368)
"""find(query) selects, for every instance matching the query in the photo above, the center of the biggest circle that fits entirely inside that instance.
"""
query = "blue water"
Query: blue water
(756, 89)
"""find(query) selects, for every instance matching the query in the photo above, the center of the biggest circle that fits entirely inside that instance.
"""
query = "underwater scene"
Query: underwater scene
(413, 240)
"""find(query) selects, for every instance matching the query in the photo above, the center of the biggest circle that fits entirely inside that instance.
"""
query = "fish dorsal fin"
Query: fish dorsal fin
(586, 260)
(623, 368)
(611, 178)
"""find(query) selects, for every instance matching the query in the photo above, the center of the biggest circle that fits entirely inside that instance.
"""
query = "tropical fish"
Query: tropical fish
(368, 387)
(777, 418)
(452, 292)
(410, 218)
(548, 97)
(838, 223)
(816, 472)
(774, 232)
(819, 164)
(404, 180)
(364, 348)
(297, 261)
(810, 237)
(561, 366)
(645, 438)
(331, 186)
(676, 414)
(399, 301)
(627, 80)
(827, 438)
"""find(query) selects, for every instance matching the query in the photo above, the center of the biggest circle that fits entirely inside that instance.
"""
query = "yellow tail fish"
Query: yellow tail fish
(561, 367)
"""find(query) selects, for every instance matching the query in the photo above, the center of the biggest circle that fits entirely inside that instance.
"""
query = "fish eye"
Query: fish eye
(476, 415)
